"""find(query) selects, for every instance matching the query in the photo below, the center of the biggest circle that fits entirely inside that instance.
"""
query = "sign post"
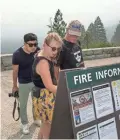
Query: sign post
(88, 104)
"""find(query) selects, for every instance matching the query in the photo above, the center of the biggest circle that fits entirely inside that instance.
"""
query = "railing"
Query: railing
(88, 54)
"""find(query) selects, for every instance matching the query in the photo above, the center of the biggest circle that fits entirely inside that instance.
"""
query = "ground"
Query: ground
(10, 129)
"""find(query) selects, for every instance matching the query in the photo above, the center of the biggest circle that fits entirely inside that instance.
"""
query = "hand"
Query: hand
(82, 64)
(14, 89)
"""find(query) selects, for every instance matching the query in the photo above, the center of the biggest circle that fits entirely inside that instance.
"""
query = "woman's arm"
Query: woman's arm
(43, 70)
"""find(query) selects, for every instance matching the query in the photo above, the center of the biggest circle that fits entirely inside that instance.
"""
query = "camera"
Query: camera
(15, 94)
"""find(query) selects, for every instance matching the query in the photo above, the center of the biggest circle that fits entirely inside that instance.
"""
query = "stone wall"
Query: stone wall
(99, 53)
(88, 54)
(6, 62)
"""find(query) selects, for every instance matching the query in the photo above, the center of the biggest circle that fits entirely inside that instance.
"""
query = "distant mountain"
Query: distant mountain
(8, 46)
(10, 42)
(110, 31)
(12, 35)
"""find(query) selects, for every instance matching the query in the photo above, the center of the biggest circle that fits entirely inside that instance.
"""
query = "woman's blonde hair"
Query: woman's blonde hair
(53, 36)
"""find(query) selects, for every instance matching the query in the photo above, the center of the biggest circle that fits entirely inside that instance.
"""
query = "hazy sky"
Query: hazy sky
(84, 10)
(21, 16)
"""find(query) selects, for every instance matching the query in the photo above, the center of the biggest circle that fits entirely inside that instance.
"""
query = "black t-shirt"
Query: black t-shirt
(25, 61)
(70, 56)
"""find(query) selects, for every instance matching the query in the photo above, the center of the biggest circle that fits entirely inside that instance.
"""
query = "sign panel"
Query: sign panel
(85, 77)
(82, 107)
(107, 129)
(116, 93)
(103, 100)
(89, 133)
(88, 104)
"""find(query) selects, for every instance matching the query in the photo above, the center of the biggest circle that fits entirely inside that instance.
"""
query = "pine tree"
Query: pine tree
(87, 39)
(92, 33)
(116, 37)
(50, 26)
(100, 33)
(81, 39)
(58, 25)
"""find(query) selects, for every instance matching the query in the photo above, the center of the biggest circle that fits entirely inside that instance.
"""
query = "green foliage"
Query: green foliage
(99, 45)
(92, 33)
(87, 39)
(100, 33)
(116, 37)
(50, 26)
(58, 25)
(95, 36)
(81, 39)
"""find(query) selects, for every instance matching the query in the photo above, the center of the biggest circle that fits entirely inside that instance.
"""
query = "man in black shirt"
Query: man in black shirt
(22, 69)
(71, 54)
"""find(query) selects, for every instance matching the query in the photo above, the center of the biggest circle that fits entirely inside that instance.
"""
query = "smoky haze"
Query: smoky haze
(24, 16)
(12, 34)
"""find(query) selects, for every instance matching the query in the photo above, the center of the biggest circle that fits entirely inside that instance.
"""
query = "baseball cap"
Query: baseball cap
(74, 28)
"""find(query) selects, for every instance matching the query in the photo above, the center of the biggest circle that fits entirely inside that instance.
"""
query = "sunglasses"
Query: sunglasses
(54, 48)
(31, 45)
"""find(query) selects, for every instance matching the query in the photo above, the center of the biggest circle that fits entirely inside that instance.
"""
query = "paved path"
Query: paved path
(11, 129)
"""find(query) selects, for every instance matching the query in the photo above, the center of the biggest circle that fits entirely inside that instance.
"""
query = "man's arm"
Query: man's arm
(56, 71)
(15, 66)
(58, 63)
(15, 76)
(82, 61)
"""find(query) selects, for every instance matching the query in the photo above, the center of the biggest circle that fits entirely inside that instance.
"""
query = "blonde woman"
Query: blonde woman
(45, 82)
